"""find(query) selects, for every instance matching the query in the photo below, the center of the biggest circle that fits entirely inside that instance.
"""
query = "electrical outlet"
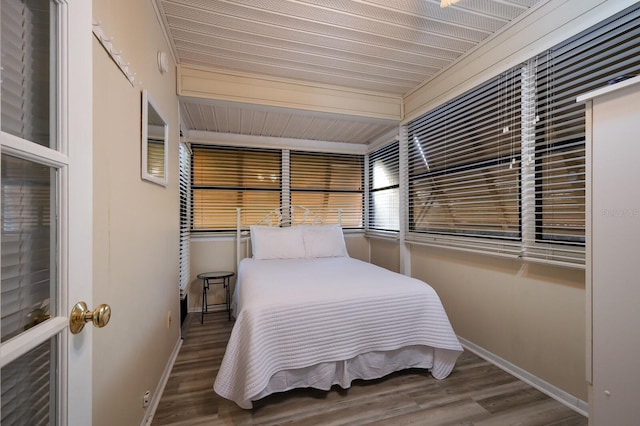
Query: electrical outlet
(169, 319)
(146, 398)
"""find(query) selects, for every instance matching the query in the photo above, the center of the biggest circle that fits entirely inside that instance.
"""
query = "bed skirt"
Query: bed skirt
(368, 366)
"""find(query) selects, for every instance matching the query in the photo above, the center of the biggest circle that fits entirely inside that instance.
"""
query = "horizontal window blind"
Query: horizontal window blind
(185, 218)
(29, 222)
(27, 241)
(331, 185)
(26, 91)
(155, 157)
(592, 59)
(461, 194)
(384, 189)
(26, 383)
(224, 179)
(463, 174)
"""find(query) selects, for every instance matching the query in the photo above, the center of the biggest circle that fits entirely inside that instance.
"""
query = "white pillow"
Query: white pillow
(270, 242)
(324, 241)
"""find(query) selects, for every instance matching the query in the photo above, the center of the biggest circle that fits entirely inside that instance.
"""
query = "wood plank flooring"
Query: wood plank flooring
(476, 393)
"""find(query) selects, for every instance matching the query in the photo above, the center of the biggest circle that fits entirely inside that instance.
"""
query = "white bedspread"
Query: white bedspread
(297, 313)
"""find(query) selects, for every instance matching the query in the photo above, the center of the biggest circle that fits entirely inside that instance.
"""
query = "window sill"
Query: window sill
(507, 251)
(383, 235)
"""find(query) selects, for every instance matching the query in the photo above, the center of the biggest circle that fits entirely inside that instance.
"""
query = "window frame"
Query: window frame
(591, 59)
(284, 190)
(335, 185)
(238, 187)
(389, 153)
(467, 181)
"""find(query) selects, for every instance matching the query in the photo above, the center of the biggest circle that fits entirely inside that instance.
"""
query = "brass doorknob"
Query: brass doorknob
(81, 315)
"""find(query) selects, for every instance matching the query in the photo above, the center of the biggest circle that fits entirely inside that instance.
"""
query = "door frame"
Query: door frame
(77, 58)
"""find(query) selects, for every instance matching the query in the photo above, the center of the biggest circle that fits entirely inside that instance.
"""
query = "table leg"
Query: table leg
(204, 300)
(227, 299)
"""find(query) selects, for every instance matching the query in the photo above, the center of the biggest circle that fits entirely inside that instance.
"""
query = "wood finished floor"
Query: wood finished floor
(476, 393)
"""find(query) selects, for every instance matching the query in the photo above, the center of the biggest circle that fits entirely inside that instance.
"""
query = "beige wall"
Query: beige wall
(135, 238)
(357, 246)
(385, 252)
(210, 254)
(531, 315)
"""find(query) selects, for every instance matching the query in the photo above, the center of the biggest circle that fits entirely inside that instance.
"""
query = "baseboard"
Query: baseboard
(155, 399)
(554, 392)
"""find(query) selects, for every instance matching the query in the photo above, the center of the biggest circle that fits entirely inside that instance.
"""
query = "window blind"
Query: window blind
(260, 181)
(227, 178)
(25, 387)
(27, 268)
(461, 194)
(185, 217)
(384, 189)
(26, 89)
(588, 61)
(463, 174)
(331, 185)
(28, 191)
(155, 157)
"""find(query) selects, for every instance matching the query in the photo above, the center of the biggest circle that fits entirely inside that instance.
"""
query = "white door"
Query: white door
(45, 178)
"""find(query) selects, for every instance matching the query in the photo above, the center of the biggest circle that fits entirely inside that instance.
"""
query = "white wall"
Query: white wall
(135, 237)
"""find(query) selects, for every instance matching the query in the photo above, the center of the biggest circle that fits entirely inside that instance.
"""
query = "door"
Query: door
(45, 178)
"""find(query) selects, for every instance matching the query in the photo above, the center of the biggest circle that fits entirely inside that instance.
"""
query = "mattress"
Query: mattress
(324, 321)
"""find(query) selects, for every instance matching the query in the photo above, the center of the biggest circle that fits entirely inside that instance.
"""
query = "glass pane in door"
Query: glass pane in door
(28, 245)
(28, 387)
(28, 71)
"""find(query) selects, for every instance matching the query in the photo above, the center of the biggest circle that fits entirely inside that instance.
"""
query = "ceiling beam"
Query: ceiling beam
(260, 90)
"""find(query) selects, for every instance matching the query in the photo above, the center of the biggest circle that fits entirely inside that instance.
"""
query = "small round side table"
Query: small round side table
(212, 278)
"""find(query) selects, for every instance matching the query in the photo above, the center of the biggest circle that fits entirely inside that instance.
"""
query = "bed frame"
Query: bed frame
(280, 217)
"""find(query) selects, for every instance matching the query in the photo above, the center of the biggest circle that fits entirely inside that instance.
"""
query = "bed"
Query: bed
(308, 315)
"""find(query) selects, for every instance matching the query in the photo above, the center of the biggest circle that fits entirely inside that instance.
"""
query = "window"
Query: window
(259, 181)
(384, 192)
(330, 185)
(225, 179)
(463, 173)
(27, 74)
(185, 217)
(30, 199)
(521, 191)
(581, 64)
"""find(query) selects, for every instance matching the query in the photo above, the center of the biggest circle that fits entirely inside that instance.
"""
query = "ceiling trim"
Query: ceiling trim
(260, 90)
(284, 110)
(164, 25)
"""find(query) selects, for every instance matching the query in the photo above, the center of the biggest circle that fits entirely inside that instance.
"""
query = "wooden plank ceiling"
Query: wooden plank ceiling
(388, 47)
